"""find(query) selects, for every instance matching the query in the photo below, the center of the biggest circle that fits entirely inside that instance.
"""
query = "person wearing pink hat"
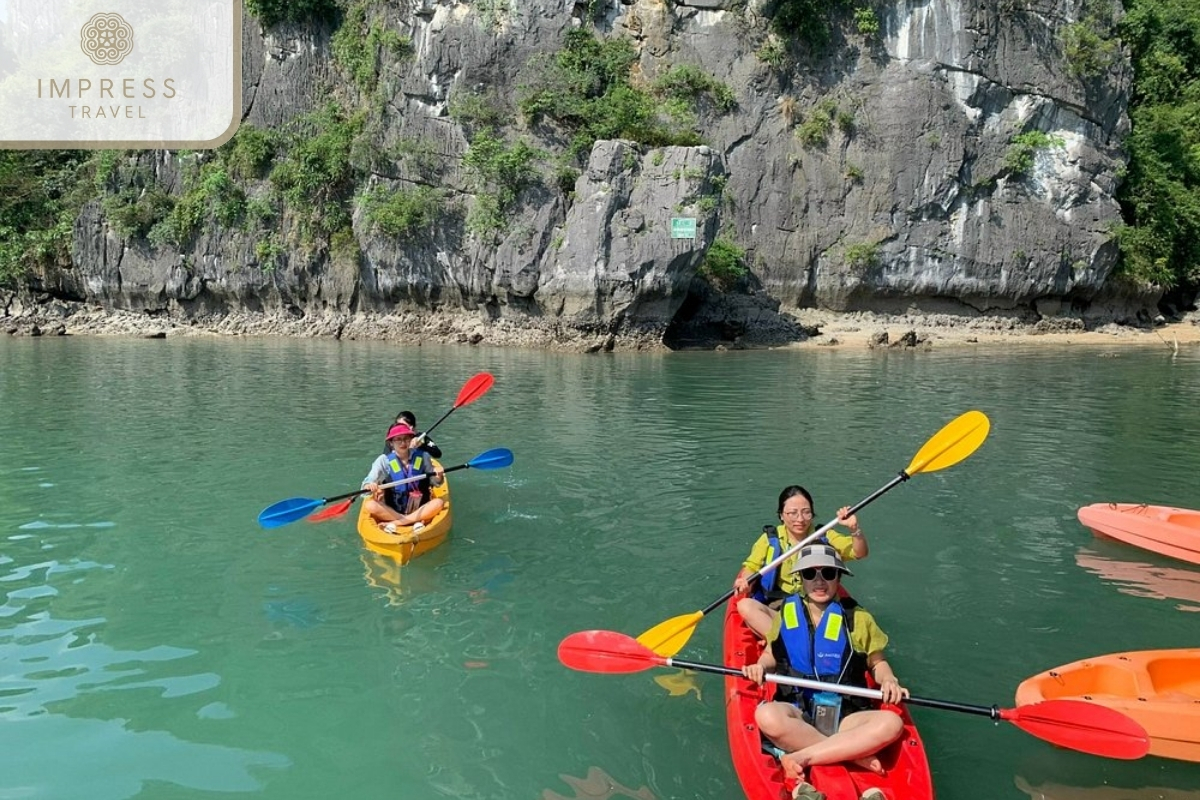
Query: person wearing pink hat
(422, 441)
(412, 503)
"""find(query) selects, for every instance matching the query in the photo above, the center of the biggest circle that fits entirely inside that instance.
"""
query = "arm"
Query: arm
(437, 475)
(860, 547)
(881, 671)
(765, 663)
(378, 473)
(429, 447)
(741, 583)
(752, 564)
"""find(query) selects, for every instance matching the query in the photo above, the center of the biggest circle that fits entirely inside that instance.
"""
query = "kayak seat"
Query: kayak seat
(1174, 675)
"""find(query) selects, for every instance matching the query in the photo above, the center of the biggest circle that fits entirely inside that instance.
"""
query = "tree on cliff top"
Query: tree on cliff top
(1160, 197)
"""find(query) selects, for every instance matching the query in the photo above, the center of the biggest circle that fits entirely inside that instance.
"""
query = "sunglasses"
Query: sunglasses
(827, 573)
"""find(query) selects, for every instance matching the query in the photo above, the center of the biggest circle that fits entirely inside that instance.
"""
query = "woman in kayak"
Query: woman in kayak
(411, 503)
(422, 441)
(833, 640)
(758, 604)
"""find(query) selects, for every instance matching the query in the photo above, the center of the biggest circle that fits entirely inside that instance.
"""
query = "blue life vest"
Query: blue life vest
(766, 584)
(824, 654)
(398, 497)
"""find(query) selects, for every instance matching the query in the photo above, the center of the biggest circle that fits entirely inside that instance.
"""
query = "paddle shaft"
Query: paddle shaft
(812, 537)
(856, 691)
(412, 479)
(425, 434)
(462, 401)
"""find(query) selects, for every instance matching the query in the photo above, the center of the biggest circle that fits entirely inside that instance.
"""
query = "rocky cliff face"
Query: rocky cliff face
(949, 161)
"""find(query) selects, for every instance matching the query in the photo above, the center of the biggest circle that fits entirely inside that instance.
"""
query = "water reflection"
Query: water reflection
(598, 785)
(382, 573)
(1055, 791)
(387, 577)
(679, 683)
(1140, 579)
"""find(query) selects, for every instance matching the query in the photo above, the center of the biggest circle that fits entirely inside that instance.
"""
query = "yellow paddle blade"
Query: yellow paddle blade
(668, 638)
(961, 437)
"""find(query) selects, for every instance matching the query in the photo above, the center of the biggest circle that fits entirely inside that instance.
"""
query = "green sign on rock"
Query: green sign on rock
(683, 227)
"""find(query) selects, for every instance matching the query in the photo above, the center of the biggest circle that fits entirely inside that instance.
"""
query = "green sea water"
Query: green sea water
(156, 643)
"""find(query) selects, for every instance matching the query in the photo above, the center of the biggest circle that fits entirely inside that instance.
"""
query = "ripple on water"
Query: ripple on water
(639, 484)
(55, 662)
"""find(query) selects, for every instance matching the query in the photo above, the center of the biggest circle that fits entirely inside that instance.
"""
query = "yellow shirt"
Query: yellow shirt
(790, 582)
(866, 637)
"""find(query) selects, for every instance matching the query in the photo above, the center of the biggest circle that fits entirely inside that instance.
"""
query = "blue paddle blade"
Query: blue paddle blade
(286, 511)
(492, 459)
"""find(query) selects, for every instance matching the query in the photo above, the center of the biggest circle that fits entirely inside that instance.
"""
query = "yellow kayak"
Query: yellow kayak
(405, 544)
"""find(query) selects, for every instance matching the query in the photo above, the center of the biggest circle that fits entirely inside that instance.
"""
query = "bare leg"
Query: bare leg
(759, 618)
(430, 510)
(382, 512)
(423, 514)
(784, 725)
(859, 738)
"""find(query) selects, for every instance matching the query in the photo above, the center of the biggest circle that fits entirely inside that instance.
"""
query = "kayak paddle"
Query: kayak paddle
(475, 387)
(295, 508)
(1074, 724)
(957, 440)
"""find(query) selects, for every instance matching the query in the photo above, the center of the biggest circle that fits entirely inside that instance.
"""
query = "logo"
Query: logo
(160, 74)
(106, 38)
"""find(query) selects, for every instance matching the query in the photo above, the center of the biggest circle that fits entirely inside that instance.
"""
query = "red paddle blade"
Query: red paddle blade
(474, 389)
(606, 651)
(1086, 727)
(335, 510)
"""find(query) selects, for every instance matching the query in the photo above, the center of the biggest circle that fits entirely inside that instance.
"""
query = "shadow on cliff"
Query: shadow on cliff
(742, 316)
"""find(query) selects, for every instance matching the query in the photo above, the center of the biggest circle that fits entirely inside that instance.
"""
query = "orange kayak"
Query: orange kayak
(406, 544)
(1173, 532)
(1160, 689)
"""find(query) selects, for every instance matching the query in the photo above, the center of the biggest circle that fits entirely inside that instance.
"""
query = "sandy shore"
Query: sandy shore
(860, 330)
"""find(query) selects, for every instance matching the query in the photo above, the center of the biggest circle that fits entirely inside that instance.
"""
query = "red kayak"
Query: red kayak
(1173, 532)
(906, 770)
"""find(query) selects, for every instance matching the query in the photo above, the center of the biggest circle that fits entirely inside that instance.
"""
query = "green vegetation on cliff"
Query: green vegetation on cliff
(812, 21)
(586, 90)
(724, 262)
(271, 12)
(1161, 193)
(1023, 148)
(41, 192)
(315, 175)
(361, 47)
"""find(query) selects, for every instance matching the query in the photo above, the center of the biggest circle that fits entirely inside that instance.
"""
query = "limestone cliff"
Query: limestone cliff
(945, 158)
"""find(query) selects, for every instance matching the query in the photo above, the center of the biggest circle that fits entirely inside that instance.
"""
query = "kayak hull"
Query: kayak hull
(906, 768)
(1168, 531)
(405, 545)
(1159, 689)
